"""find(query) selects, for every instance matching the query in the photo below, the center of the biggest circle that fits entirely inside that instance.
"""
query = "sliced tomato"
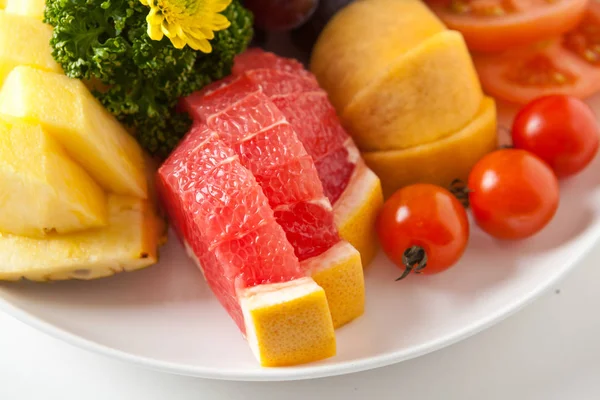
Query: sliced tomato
(496, 25)
(568, 64)
(523, 74)
(584, 40)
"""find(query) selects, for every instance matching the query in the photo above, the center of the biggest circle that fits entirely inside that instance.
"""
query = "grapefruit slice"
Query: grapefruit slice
(221, 213)
(256, 58)
(306, 106)
(268, 146)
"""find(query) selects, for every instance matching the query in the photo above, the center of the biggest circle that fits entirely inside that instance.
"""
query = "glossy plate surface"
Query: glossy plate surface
(166, 318)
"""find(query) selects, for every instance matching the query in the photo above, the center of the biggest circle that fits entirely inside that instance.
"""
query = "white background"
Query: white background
(548, 351)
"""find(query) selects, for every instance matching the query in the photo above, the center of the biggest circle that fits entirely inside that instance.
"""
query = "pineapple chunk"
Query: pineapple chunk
(42, 190)
(2, 4)
(128, 243)
(30, 8)
(68, 111)
(24, 41)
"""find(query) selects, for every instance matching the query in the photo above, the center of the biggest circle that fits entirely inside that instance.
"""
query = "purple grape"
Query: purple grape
(306, 35)
(281, 15)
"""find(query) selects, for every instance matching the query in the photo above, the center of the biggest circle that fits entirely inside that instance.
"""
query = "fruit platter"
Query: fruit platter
(276, 190)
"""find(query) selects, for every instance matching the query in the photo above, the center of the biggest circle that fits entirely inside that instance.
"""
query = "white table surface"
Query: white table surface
(550, 350)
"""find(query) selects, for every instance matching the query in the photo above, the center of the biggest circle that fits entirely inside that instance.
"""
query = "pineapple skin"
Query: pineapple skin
(129, 242)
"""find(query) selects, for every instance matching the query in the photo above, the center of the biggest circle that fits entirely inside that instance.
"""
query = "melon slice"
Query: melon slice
(42, 190)
(407, 81)
(129, 242)
(426, 94)
(442, 161)
(224, 218)
(91, 136)
(24, 41)
(363, 39)
(250, 123)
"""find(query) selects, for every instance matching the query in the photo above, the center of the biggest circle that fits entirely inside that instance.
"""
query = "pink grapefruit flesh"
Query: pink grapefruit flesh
(256, 58)
(297, 94)
(221, 213)
(268, 146)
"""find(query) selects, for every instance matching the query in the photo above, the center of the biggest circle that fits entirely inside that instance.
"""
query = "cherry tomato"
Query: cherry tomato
(513, 194)
(568, 64)
(496, 25)
(561, 130)
(423, 228)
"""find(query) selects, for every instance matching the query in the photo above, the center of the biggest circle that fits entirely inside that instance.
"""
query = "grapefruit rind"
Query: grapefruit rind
(356, 211)
(288, 323)
(440, 162)
(339, 272)
(394, 111)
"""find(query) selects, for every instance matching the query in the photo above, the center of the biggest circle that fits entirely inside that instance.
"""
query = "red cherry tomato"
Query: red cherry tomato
(561, 130)
(513, 194)
(423, 229)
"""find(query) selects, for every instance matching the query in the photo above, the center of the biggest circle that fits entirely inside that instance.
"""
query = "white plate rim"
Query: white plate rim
(308, 372)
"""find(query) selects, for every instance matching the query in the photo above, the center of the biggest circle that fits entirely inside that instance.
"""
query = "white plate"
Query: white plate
(166, 318)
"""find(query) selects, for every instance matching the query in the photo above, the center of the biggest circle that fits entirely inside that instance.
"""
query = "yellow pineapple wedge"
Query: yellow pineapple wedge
(24, 41)
(92, 137)
(30, 8)
(128, 243)
(41, 189)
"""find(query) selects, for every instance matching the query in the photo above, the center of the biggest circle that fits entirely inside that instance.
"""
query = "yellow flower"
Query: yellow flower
(191, 22)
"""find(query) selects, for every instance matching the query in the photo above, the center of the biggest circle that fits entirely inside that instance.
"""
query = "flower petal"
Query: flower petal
(200, 44)
(154, 31)
(178, 42)
(186, 22)
(220, 5)
(220, 22)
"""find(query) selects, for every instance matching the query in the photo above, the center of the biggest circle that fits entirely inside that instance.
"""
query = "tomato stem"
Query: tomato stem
(414, 260)
(460, 190)
(502, 130)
